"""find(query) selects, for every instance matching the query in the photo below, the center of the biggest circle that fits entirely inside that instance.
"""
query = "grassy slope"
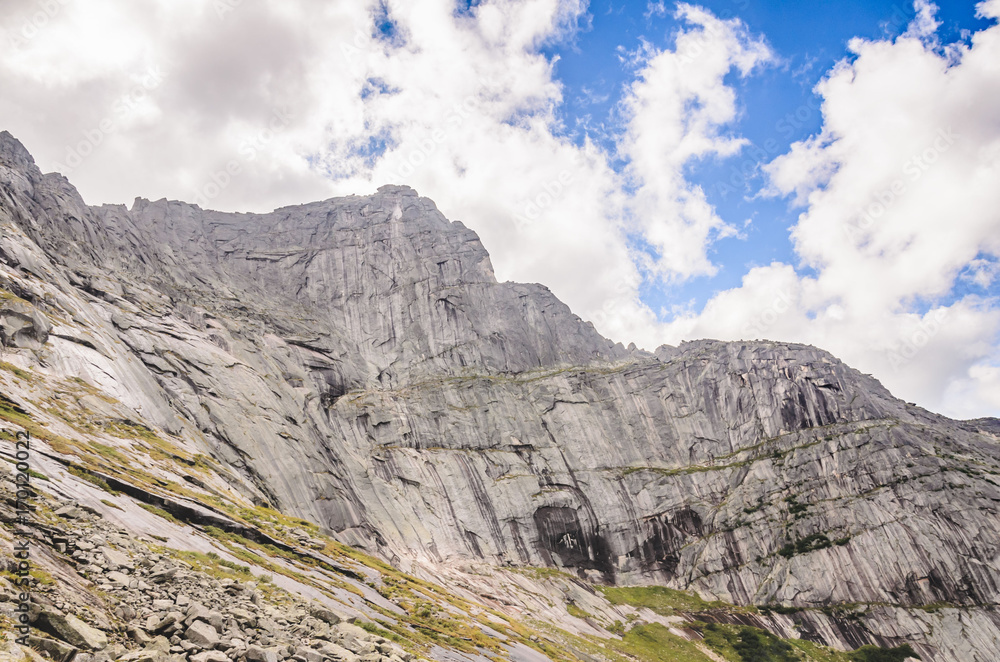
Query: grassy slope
(137, 454)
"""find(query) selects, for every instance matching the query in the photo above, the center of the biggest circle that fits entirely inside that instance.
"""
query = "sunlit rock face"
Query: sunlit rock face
(355, 362)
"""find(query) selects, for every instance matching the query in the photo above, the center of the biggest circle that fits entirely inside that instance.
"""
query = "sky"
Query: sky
(824, 173)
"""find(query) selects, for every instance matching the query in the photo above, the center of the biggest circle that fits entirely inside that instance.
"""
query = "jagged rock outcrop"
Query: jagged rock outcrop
(355, 362)
(22, 326)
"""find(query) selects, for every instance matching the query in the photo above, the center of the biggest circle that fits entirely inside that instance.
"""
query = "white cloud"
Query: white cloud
(981, 272)
(676, 113)
(310, 100)
(307, 102)
(924, 25)
(900, 199)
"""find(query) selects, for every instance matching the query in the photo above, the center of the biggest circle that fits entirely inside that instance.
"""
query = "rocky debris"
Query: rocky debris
(145, 656)
(210, 656)
(258, 654)
(71, 629)
(57, 650)
(231, 621)
(477, 420)
(328, 615)
(202, 635)
(70, 511)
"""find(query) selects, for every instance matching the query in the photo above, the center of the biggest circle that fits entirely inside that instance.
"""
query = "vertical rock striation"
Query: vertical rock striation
(356, 362)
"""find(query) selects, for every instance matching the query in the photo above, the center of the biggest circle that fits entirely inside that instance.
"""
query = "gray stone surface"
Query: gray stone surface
(202, 635)
(355, 362)
(72, 630)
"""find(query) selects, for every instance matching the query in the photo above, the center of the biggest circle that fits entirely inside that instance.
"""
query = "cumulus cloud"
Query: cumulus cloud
(677, 112)
(900, 203)
(251, 106)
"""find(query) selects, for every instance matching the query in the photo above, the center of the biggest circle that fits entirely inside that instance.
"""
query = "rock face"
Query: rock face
(355, 362)
(71, 629)
(164, 624)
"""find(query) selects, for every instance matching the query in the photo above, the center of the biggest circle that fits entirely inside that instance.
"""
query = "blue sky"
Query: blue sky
(778, 107)
(585, 148)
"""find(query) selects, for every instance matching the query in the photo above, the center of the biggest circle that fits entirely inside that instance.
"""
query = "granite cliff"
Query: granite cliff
(355, 364)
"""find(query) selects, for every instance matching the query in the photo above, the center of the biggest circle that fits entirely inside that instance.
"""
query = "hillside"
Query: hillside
(341, 397)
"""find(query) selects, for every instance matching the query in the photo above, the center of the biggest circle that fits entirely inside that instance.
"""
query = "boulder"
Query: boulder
(165, 623)
(210, 656)
(70, 511)
(161, 573)
(217, 620)
(119, 578)
(59, 651)
(243, 617)
(72, 630)
(258, 654)
(114, 559)
(202, 634)
(326, 614)
(146, 655)
(196, 612)
(138, 635)
(337, 652)
(22, 325)
(308, 654)
(159, 643)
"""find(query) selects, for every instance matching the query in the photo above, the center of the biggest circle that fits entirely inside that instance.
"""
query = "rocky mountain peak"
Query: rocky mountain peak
(13, 154)
(354, 364)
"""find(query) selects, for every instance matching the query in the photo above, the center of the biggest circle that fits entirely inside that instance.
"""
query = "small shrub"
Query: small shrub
(877, 654)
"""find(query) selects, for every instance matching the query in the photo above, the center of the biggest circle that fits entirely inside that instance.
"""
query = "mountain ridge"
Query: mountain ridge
(355, 363)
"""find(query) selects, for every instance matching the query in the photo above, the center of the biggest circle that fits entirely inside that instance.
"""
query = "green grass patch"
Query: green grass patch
(747, 644)
(808, 544)
(159, 512)
(662, 600)
(876, 654)
(91, 478)
(212, 564)
(23, 375)
(108, 452)
(35, 474)
(655, 643)
(543, 573)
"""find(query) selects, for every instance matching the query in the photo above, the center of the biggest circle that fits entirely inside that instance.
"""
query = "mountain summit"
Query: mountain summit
(354, 364)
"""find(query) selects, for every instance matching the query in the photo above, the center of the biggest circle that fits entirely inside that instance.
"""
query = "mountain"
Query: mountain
(354, 365)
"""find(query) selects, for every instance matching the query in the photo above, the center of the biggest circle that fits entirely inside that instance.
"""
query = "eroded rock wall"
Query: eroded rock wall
(356, 363)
